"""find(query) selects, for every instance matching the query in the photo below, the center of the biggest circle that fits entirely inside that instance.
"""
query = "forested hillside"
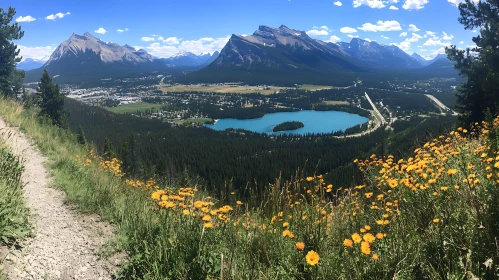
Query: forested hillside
(151, 148)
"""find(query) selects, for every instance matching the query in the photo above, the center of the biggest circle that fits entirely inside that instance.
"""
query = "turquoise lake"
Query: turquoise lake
(314, 121)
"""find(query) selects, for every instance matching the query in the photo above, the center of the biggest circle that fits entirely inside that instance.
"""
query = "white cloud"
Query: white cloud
(38, 53)
(462, 42)
(389, 25)
(403, 34)
(457, 2)
(25, 19)
(315, 32)
(415, 37)
(474, 31)
(171, 41)
(334, 39)
(122, 30)
(413, 28)
(431, 34)
(435, 42)
(353, 36)
(375, 4)
(324, 27)
(58, 15)
(447, 37)
(393, 8)
(147, 39)
(347, 29)
(406, 44)
(384, 37)
(202, 45)
(414, 4)
(434, 53)
(101, 30)
(338, 3)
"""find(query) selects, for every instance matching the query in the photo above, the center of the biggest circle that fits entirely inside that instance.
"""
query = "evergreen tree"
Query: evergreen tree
(108, 149)
(80, 137)
(125, 157)
(480, 64)
(133, 155)
(52, 101)
(10, 78)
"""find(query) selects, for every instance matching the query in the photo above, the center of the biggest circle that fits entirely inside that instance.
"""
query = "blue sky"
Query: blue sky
(166, 27)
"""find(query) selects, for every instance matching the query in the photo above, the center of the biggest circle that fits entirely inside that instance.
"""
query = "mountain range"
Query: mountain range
(374, 55)
(30, 63)
(282, 54)
(266, 56)
(191, 59)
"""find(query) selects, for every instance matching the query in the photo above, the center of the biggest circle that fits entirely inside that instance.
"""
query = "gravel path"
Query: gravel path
(64, 243)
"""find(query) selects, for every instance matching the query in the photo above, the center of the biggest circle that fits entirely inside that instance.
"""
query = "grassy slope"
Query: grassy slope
(427, 221)
(134, 107)
(13, 212)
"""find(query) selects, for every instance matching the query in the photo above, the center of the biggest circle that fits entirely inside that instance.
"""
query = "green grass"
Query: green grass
(198, 120)
(13, 212)
(335, 102)
(434, 230)
(134, 107)
(239, 89)
(315, 87)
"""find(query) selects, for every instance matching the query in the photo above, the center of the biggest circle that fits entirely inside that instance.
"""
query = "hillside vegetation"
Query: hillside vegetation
(431, 216)
(13, 212)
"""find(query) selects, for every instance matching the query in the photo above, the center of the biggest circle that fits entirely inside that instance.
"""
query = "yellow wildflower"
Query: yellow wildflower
(312, 258)
(348, 243)
(369, 238)
(356, 238)
(365, 248)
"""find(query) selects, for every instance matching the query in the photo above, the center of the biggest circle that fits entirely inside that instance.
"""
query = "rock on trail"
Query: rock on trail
(65, 244)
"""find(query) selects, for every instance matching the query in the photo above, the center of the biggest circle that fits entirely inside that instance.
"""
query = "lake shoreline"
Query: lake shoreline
(315, 122)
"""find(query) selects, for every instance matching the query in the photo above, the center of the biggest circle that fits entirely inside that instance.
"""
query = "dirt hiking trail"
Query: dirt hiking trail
(64, 244)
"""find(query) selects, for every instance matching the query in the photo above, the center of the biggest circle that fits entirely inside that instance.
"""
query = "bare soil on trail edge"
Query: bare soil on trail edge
(64, 244)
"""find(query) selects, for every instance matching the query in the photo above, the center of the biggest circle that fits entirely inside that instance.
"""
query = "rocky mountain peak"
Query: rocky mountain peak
(88, 35)
(80, 47)
(130, 47)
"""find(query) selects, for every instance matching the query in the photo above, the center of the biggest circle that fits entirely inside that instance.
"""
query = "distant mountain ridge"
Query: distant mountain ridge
(191, 59)
(107, 52)
(282, 48)
(420, 59)
(283, 54)
(85, 56)
(29, 64)
(269, 55)
(375, 55)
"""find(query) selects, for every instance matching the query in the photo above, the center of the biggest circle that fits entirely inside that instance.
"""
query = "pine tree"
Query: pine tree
(80, 137)
(108, 149)
(480, 64)
(52, 101)
(10, 78)
(125, 156)
(134, 156)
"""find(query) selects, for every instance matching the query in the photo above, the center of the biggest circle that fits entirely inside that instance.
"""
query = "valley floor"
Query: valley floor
(65, 245)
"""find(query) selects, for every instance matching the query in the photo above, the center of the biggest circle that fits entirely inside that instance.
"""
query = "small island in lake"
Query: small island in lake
(288, 126)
